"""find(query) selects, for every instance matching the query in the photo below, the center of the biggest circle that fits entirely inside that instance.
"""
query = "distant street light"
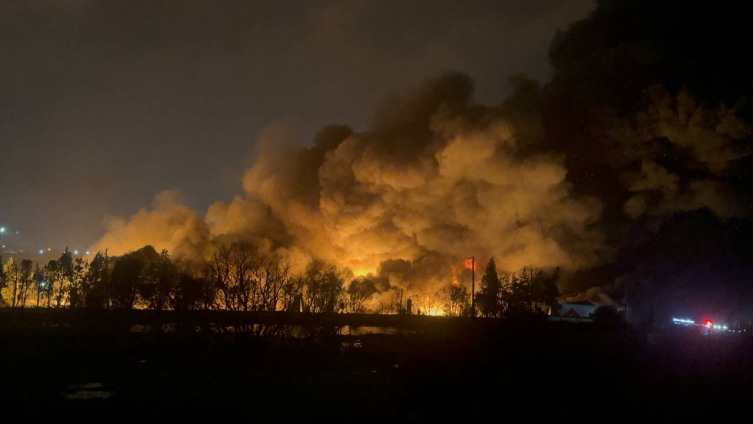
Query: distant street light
(2, 230)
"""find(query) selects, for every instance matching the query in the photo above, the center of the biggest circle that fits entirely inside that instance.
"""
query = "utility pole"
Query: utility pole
(473, 286)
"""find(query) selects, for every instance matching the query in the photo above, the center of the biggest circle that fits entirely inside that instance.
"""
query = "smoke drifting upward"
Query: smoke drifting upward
(434, 180)
(635, 132)
(167, 225)
(651, 114)
(702, 141)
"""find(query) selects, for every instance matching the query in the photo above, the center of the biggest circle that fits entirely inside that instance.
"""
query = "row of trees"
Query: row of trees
(238, 277)
(59, 282)
(244, 277)
(529, 292)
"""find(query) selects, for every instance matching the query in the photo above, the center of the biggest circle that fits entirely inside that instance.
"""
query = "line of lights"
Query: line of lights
(4, 229)
(708, 324)
(43, 251)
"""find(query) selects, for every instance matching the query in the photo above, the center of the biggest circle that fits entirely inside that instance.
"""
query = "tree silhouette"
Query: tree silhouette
(26, 281)
(455, 300)
(489, 294)
(359, 291)
(323, 289)
(65, 267)
(544, 291)
(78, 280)
(39, 284)
(126, 277)
(3, 280)
(12, 278)
(96, 287)
(193, 289)
(157, 282)
(246, 276)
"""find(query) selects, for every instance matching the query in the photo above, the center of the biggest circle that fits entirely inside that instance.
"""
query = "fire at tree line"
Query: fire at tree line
(243, 277)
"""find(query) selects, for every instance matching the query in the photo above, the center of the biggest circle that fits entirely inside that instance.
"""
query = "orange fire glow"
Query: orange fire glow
(470, 264)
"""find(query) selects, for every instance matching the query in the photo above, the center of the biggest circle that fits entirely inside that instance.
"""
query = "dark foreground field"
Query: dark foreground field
(482, 368)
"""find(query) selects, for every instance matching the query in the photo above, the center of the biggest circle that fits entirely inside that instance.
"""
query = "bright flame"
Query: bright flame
(470, 264)
(363, 272)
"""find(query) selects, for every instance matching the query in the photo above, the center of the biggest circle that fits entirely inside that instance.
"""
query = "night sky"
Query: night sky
(105, 104)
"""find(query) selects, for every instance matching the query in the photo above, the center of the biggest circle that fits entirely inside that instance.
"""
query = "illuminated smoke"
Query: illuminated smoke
(167, 225)
(434, 180)
(637, 127)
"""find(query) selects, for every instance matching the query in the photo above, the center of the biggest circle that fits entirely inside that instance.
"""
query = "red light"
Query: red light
(709, 324)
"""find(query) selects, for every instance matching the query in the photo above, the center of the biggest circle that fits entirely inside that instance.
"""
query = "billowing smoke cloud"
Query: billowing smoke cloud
(700, 138)
(434, 180)
(434, 177)
(638, 129)
(169, 224)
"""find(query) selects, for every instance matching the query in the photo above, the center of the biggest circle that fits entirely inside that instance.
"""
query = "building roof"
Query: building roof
(573, 310)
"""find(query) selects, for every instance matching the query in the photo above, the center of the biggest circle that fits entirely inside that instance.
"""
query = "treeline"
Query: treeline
(237, 277)
(530, 291)
(242, 276)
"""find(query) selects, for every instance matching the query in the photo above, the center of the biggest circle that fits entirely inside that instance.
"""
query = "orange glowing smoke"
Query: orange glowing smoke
(402, 203)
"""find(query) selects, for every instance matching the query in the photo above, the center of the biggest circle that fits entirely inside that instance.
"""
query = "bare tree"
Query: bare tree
(323, 289)
(455, 300)
(291, 294)
(248, 278)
